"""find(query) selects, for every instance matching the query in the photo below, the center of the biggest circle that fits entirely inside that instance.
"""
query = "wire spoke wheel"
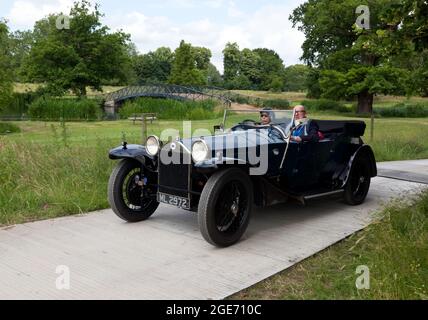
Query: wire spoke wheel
(225, 207)
(132, 193)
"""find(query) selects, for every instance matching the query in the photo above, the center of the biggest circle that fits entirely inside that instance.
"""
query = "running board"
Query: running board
(319, 195)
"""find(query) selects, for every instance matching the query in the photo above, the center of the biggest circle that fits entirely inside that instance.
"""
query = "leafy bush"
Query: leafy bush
(68, 109)
(19, 104)
(274, 103)
(241, 99)
(324, 105)
(276, 84)
(403, 110)
(170, 109)
(8, 128)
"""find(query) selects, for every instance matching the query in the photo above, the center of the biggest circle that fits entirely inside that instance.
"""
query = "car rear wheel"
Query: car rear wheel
(131, 194)
(225, 207)
(358, 183)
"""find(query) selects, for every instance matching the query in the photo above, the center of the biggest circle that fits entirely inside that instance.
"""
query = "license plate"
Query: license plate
(176, 201)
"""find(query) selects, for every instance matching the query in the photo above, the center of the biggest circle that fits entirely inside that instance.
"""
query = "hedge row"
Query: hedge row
(171, 109)
(6, 128)
(403, 110)
(261, 103)
(45, 108)
(325, 105)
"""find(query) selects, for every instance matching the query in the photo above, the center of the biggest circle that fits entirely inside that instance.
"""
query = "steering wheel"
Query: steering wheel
(248, 122)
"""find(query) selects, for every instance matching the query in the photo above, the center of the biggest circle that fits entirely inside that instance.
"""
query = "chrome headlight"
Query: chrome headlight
(200, 151)
(152, 145)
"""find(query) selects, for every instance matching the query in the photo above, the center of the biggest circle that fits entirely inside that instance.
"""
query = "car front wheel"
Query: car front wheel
(225, 207)
(132, 192)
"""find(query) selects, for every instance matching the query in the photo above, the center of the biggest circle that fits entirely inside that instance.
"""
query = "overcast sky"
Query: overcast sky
(208, 23)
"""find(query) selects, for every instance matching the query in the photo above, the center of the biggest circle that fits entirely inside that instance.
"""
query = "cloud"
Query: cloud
(227, 21)
(267, 27)
(24, 13)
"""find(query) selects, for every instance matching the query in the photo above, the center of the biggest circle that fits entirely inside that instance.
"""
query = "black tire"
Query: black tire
(225, 207)
(126, 197)
(358, 183)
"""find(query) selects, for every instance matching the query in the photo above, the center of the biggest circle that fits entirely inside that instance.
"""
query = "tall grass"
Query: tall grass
(49, 180)
(395, 249)
(46, 108)
(171, 109)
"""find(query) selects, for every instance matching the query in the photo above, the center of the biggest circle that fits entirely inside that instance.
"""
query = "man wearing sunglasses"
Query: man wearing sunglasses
(303, 129)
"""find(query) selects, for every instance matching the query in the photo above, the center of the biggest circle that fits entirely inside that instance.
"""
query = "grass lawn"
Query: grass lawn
(395, 250)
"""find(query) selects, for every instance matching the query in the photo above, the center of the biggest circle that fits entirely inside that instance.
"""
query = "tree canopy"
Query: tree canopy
(6, 74)
(190, 65)
(359, 62)
(153, 67)
(83, 55)
(260, 68)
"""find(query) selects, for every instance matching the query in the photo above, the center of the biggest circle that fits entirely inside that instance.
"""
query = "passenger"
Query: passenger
(304, 129)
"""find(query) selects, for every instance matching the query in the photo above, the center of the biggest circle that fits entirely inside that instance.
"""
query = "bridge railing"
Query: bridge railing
(168, 91)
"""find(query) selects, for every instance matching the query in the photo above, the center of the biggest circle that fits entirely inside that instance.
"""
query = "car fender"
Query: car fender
(215, 163)
(131, 151)
(363, 151)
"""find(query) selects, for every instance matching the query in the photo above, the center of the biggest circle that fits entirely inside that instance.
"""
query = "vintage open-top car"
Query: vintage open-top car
(222, 176)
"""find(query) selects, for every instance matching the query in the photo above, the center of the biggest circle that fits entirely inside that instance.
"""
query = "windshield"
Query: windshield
(254, 117)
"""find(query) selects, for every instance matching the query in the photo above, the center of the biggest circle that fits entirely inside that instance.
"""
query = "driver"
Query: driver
(266, 116)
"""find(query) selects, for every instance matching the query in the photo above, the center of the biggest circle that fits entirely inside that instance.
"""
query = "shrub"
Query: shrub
(324, 105)
(8, 128)
(241, 99)
(19, 104)
(403, 110)
(68, 109)
(274, 103)
(170, 109)
(276, 84)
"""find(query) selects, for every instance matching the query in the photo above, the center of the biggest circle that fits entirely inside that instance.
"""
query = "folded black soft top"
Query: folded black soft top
(353, 128)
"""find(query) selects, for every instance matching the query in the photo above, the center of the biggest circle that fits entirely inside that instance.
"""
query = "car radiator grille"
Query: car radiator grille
(174, 177)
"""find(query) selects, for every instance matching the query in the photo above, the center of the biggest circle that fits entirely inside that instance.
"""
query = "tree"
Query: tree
(202, 57)
(154, 67)
(295, 77)
(249, 67)
(185, 65)
(213, 76)
(231, 61)
(276, 84)
(270, 67)
(84, 55)
(20, 45)
(259, 66)
(313, 83)
(6, 74)
(352, 61)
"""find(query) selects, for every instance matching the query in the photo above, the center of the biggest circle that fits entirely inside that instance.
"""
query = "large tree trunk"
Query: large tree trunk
(365, 102)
